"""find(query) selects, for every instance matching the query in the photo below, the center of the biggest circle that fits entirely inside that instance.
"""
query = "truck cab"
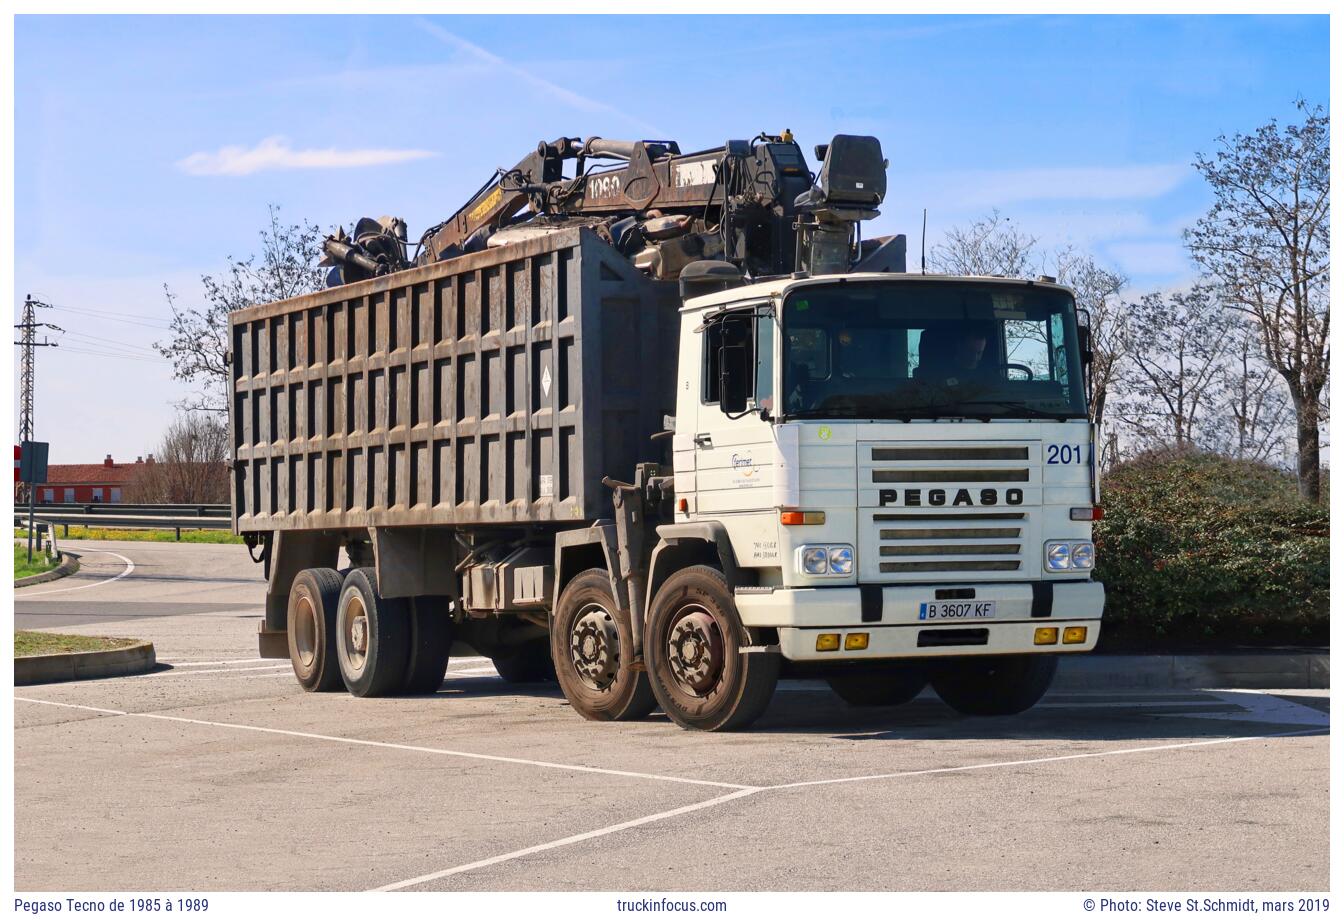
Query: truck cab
(903, 468)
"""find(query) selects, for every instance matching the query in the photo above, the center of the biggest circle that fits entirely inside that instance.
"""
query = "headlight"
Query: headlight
(1083, 555)
(814, 560)
(1057, 556)
(842, 560)
(826, 560)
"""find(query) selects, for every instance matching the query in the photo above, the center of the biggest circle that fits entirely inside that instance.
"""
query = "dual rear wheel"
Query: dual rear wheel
(342, 632)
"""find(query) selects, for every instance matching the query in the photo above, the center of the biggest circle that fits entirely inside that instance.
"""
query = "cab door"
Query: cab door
(733, 441)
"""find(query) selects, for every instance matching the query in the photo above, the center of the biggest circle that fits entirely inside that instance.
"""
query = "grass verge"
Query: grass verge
(40, 563)
(150, 536)
(40, 643)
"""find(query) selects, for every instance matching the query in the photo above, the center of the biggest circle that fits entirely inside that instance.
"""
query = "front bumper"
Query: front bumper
(895, 630)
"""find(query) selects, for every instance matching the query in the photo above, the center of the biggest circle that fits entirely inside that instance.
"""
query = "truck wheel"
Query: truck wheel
(691, 647)
(999, 686)
(373, 637)
(311, 628)
(529, 664)
(592, 647)
(431, 638)
(891, 685)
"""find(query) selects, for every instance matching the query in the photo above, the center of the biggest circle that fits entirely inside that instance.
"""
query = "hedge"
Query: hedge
(1200, 551)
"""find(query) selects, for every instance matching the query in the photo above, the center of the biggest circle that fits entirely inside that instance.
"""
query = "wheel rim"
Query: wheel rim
(695, 650)
(355, 633)
(305, 630)
(595, 647)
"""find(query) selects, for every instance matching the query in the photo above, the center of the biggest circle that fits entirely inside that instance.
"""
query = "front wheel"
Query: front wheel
(1000, 685)
(593, 650)
(878, 686)
(692, 646)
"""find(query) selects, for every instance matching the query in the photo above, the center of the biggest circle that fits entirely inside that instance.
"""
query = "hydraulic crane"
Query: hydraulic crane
(754, 204)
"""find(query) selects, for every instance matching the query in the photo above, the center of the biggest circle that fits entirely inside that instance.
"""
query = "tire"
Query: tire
(691, 647)
(890, 685)
(430, 641)
(588, 632)
(374, 654)
(310, 625)
(1003, 685)
(528, 664)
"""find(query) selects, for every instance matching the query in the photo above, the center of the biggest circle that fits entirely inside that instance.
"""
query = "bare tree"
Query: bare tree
(190, 465)
(1098, 293)
(1266, 243)
(1257, 410)
(1176, 345)
(991, 245)
(199, 343)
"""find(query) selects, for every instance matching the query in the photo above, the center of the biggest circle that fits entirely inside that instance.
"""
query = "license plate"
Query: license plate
(957, 610)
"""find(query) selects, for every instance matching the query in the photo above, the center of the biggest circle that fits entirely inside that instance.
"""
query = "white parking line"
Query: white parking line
(266, 667)
(130, 567)
(1056, 759)
(473, 671)
(566, 841)
(577, 768)
(742, 793)
(201, 664)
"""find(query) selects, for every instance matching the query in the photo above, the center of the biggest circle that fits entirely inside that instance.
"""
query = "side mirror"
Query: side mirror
(1085, 344)
(733, 379)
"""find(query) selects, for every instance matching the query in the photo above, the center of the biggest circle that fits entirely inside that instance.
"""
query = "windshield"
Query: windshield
(931, 349)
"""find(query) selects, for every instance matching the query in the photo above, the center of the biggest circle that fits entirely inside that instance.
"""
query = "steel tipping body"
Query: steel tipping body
(452, 394)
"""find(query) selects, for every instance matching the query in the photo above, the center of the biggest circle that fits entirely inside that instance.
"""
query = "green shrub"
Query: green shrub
(1198, 550)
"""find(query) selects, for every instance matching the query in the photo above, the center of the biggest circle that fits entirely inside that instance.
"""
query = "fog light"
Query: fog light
(828, 642)
(1047, 635)
(1075, 635)
(856, 642)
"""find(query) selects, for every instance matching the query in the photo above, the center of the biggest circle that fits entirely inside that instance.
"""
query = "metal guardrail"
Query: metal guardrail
(176, 523)
(125, 509)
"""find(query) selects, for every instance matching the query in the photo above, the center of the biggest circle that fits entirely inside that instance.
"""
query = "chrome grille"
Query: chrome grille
(939, 509)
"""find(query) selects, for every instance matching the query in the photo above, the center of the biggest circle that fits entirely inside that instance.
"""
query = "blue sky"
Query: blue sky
(148, 148)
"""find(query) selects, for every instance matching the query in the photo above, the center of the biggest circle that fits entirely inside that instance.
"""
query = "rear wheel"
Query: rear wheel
(593, 650)
(890, 685)
(1001, 685)
(431, 638)
(692, 647)
(311, 629)
(373, 637)
(529, 663)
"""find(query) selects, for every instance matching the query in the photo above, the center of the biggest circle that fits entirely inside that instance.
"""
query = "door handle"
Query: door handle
(704, 440)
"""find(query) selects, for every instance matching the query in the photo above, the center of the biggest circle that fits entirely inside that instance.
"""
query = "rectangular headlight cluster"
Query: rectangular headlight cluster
(1073, 556)
(832, 559)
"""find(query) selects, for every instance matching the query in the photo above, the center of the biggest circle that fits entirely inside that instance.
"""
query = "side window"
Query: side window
(765, 362)
(729, 358)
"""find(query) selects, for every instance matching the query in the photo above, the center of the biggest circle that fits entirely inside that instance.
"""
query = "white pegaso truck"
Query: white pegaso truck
(663, 494)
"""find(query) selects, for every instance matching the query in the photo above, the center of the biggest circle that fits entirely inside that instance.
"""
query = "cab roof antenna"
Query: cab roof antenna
(923, 233)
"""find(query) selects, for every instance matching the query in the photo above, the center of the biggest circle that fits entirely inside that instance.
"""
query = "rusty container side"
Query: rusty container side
(498, 388)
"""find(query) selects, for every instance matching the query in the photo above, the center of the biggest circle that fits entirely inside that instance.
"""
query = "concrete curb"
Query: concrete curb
(117, 662)
(1267, 670)
(69, 566)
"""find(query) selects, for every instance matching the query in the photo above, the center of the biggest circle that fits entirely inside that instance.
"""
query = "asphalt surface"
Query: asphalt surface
(218, 773)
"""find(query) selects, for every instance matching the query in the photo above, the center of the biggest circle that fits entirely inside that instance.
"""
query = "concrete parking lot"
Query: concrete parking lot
(218, 773)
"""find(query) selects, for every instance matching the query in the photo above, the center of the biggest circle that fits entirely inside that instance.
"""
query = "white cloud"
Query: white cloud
(989, 188)
(276, 153)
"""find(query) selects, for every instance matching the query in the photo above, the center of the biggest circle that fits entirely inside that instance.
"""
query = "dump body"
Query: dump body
(497, 388)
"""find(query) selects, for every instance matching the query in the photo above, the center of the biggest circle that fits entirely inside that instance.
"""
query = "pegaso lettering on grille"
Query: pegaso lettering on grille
(915, 498)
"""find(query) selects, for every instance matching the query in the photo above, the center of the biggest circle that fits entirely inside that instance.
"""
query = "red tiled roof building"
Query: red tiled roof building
(88, 483)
